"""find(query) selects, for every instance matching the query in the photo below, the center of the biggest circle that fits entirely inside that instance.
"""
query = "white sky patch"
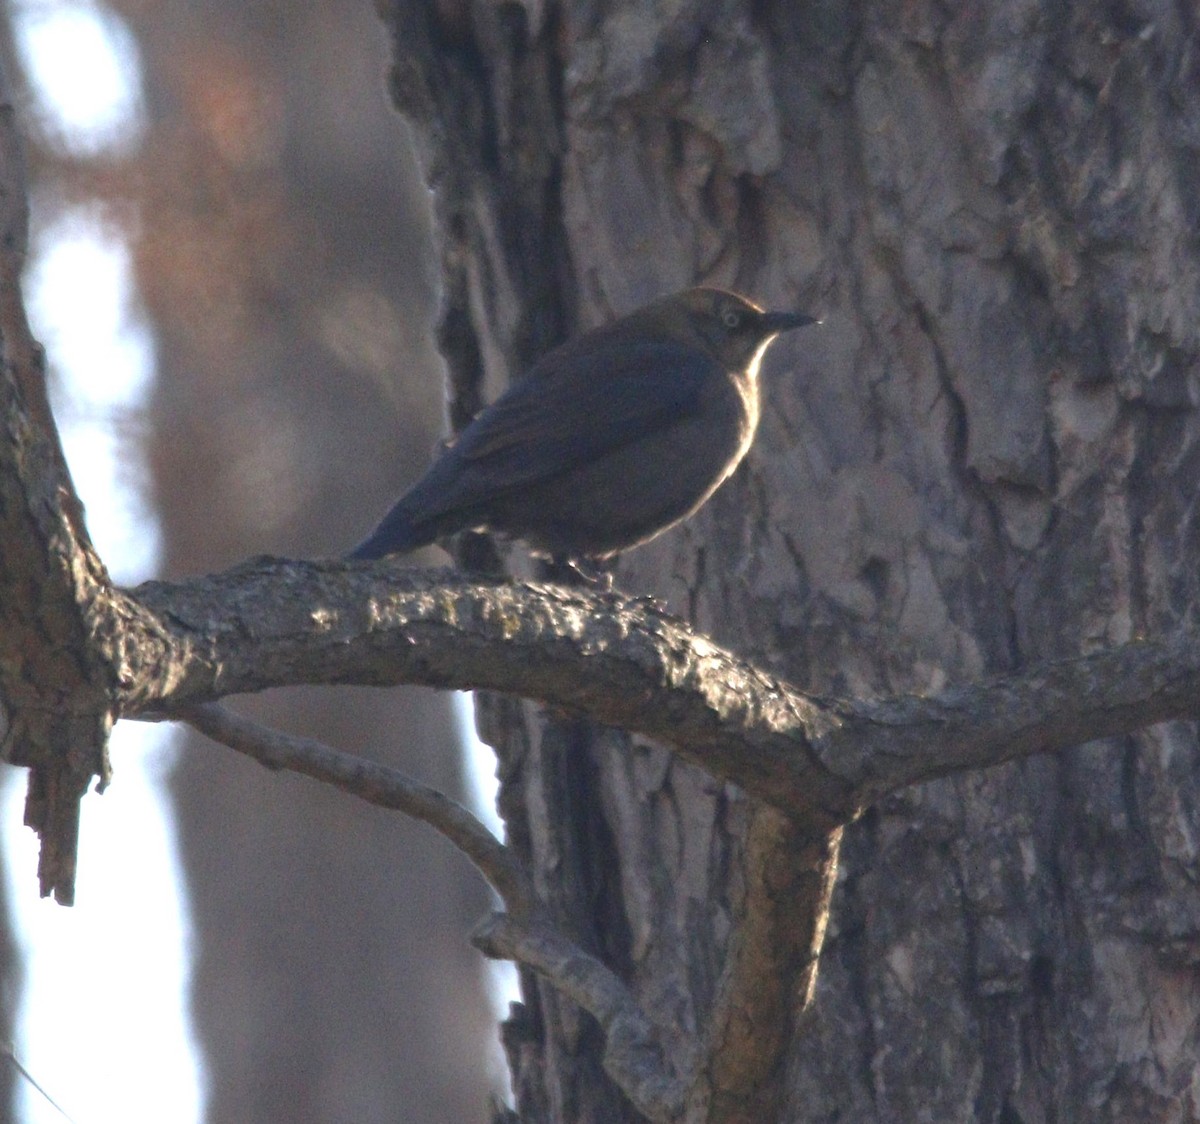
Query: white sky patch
(101, 1026)
(81, 299)
(481, 765)
(83, 64)
(103, 354)
(481, 776)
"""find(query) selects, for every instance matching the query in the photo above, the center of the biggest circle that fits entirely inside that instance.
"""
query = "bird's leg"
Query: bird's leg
(476, 554)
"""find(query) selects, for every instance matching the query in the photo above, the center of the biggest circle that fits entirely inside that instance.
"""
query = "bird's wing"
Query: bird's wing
(577, 405)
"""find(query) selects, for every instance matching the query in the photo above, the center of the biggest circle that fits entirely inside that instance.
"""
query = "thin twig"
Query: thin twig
(376, 784)
(9, 1051)
(633, 1057)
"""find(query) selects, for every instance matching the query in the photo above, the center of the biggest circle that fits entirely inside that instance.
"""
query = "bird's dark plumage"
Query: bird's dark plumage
(609, 440)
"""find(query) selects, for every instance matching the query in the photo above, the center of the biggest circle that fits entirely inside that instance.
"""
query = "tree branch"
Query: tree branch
(769, 974)
(624, 663)
(274, 622)
(883, 745)
(55, 706)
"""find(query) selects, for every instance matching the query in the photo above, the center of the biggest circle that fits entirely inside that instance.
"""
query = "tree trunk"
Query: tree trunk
(986, 457)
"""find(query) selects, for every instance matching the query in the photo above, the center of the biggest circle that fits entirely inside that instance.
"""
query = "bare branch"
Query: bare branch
(631, 1056)
(624, 663)
(882, 745)
(376, 784)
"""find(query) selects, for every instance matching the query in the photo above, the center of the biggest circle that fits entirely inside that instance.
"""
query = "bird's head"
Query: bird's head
(736, 331)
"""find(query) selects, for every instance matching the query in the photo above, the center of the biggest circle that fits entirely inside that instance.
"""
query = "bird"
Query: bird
(609, 440)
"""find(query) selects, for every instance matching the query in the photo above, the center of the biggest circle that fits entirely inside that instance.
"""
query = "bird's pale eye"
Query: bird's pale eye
(731, 318)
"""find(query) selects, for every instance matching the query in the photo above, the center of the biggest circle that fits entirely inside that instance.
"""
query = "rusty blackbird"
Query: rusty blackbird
(608, 441)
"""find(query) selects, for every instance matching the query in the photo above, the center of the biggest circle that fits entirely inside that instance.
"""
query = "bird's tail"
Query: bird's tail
(398, 532)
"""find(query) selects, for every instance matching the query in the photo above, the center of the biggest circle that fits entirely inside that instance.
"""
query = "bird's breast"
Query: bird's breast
(738, 400)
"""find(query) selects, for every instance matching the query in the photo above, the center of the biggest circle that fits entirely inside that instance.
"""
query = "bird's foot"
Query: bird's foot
(591, 573)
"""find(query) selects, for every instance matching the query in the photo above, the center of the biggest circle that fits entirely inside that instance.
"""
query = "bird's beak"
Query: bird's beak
(786, 321)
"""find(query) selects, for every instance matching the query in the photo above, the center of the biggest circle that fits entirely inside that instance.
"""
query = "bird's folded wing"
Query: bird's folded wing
(580, 405)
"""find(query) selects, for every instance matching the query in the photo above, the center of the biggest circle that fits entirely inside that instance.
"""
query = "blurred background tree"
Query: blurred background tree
(284, 256)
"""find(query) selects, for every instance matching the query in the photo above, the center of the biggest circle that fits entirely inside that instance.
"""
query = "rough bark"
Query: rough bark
(985, 459)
